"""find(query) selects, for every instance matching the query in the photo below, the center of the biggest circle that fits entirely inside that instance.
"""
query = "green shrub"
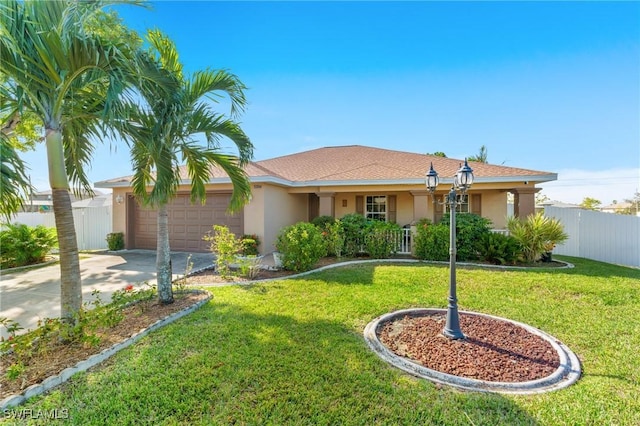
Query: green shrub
(115, 241)
(250, 244)
(333, 237)
(470, 228)
(249, 266)
(354, 228)
(537, 234)
(301, 246)
(499, 249)
(225, 247)
(322, 221)
(22, 245)
(381, 240)
(432, 241)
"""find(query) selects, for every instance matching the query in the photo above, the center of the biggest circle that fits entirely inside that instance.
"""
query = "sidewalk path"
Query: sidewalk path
(27, 296)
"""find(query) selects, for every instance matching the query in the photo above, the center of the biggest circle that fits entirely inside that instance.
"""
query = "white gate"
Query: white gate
(92, 225)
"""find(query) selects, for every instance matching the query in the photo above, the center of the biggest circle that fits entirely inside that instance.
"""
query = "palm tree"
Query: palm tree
(68, 78)
(163, 132)
(481, 157)
(14, 183)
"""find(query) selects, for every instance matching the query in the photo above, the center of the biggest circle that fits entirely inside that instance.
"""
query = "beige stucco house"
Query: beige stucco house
(335, 181)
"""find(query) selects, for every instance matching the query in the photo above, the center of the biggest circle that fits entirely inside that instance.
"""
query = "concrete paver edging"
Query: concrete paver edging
(67, 373)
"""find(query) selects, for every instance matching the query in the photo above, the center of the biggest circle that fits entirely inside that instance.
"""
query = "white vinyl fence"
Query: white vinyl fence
(92, 225)
(607, 237)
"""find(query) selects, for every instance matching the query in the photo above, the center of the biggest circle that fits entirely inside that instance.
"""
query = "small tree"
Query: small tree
(590, 203)
(481, 157)
(224, 246)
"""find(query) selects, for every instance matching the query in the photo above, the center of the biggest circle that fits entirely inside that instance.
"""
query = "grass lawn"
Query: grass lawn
(292, 352)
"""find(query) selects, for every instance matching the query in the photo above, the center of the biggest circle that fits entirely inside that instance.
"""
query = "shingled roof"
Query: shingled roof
(357, 164)
(362, 163)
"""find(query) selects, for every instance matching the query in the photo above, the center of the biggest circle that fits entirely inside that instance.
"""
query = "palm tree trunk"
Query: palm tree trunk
(71, 285)
(163, 259)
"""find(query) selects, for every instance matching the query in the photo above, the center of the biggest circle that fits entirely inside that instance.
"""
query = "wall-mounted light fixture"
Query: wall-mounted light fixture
(119, 199)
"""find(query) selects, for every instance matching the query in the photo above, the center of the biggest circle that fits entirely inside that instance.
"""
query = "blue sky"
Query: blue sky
(550, 86)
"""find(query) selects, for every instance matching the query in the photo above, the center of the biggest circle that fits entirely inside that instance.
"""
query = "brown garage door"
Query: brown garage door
(187, 222)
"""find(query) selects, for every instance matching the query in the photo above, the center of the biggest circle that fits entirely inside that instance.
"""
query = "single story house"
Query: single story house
(378, 183)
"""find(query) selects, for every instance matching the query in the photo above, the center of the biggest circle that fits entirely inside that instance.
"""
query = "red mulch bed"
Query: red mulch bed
(493, 350)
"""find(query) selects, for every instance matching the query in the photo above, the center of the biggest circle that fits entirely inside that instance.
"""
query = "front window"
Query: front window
(461, 207)
(376, 207)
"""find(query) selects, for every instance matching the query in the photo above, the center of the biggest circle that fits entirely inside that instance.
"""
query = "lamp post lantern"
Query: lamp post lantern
(461, 182)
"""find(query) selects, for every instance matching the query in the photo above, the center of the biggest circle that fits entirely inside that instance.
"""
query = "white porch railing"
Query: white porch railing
(403, 241)
(404, 236)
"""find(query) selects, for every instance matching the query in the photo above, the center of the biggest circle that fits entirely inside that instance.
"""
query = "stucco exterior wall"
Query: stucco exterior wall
(494, 208)
(272, 207)
(119, 219)
(254, 217)
(280, 209)
(345, 204)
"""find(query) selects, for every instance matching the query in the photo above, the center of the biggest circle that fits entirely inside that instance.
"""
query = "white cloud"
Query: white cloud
(573, 185)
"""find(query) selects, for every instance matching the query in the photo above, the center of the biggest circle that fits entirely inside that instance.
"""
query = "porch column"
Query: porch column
(327, 203)
(524, 201)
(422, 205)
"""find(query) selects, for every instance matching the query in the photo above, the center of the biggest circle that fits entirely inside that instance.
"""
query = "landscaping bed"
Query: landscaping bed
(49, 359)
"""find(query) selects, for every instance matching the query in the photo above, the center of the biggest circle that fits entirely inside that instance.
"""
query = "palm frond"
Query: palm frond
(14, 182)
(207, 83)
(213, 126)
(239, 179)
(167, 52)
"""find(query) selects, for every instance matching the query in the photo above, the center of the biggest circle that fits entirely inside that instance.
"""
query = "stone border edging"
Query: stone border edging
(567, 265)
(565, 375)
(53, 261)
(53, 381)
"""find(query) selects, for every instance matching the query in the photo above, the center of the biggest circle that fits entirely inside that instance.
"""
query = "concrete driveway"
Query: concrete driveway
(27, 296)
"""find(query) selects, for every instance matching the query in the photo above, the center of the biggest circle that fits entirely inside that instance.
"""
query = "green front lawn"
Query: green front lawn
(292, 352)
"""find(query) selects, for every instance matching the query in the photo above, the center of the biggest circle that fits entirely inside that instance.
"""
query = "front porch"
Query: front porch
(407, 207)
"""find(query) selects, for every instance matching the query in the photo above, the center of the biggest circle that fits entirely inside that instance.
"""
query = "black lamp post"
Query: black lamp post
(461, 182)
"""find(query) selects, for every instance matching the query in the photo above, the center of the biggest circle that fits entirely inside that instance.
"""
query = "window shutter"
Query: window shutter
(391, 214)
(360, 204)
(314, 206)
(438, 209)
(476, 204)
